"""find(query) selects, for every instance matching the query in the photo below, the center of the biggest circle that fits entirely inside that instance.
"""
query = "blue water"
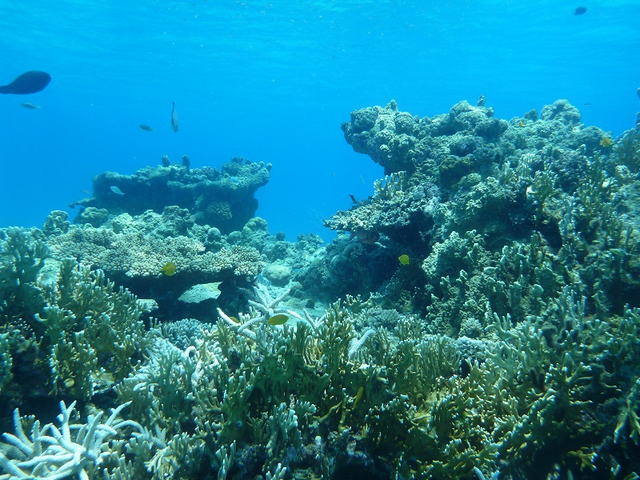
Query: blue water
(273, 80)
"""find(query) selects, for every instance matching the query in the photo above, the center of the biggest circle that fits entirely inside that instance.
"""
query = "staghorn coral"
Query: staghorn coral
(272, 398)
(95, 332)
(72, 450)
(6, 361)
(627, 150)
(22, 255)
(75, 329)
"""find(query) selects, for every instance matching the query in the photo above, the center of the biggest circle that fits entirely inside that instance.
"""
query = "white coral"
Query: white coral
(53, 453)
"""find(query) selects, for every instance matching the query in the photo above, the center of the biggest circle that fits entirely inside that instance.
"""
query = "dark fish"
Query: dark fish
(30, 82)
(30, 106)
(145, 127)
(353, 199)
(638, 92)
(580, 11)
(174, 118)
(366, 236)
(186, 162)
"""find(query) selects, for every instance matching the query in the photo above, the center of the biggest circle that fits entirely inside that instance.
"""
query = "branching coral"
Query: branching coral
(94, 331)
(55, 453)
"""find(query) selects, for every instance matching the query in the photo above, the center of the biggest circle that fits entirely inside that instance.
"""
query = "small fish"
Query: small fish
(353, 199)
(30, 106)
(580, 11)
(638, 92)
(174, 118)
(146, 128)
(234, 319)
(116, 190)
(169, 269)
(606, 142)
(521, 123)
(357, 397)
(278, 319)
(404, 259)
(481, 100)
(365, 236)
(166, 161)
(186, 163)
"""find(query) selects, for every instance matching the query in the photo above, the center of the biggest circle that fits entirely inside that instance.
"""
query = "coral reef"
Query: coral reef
(477, 317)
(66, 329)
(82, 450)
(220, 198)
(133, 250)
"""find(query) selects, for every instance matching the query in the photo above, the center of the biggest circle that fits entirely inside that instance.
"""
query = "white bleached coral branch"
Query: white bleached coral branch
(266, 303)
(52, 453)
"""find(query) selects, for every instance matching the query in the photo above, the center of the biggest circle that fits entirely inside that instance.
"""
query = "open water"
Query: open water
(273, 80)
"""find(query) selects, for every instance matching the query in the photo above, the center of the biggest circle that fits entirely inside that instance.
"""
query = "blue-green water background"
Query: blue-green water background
(273, 80)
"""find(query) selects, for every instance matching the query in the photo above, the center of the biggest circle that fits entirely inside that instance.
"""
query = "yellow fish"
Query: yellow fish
(404, 259)
(606, 142)
(169, 269)
(357, 397)
(521, 124)
(279, 319)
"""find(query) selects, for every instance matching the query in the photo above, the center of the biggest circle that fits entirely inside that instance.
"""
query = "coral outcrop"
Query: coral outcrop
(488, 325)
(220, 198)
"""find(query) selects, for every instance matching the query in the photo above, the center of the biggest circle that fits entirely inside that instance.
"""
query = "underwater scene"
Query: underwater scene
(320, 240)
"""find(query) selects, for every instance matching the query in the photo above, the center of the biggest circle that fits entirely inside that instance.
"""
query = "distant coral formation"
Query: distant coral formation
(220, 198)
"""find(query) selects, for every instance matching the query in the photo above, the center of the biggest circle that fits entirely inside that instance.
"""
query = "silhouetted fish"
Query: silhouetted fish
(580, 11)
(30, 106)
(145, 127)
(174, 118)
(29, 82)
